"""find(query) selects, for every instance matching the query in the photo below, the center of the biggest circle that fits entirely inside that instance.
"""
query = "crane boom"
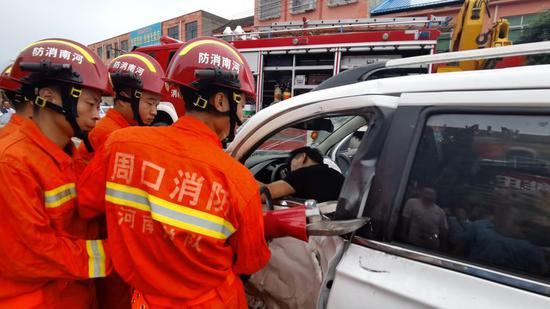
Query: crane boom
(468, 34)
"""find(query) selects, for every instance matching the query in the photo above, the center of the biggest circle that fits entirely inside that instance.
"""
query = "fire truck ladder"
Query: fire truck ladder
(342, 24)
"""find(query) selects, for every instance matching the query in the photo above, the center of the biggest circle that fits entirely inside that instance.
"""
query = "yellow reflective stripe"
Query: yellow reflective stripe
(187, 226)
(60, 195)
(57, 190)
(96, 258)
(84, 53)
(128, 189)
(194, 213)
(189, 47)
(148, 63)
(170, 213)
(7, 71)
(59, 202)
(124, 202)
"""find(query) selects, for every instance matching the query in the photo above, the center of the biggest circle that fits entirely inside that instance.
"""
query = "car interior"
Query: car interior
(336, 137)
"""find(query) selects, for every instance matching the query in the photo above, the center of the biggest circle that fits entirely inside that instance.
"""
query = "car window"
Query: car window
(343, 155)
(479, 191)
(308, 133)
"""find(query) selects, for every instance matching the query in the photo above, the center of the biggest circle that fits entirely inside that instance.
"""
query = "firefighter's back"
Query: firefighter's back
(178, 211)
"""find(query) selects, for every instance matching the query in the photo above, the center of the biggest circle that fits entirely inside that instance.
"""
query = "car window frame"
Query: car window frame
(388, 241)
(364, 111)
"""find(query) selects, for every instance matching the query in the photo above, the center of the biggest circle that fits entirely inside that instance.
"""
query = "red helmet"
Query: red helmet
(61, 60)
(210, 61)
(137, 70)
(7, 83)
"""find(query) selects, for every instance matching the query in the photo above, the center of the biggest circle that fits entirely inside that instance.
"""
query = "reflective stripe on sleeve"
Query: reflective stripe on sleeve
(182, 217)
(96, 258)
(56, 197)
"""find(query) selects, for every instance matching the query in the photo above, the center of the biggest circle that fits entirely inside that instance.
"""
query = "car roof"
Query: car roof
(350, 76)
(369, 72)
(528, 77)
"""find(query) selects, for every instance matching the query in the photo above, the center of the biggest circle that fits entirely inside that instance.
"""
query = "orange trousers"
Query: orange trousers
(60, 294)
(229, 295)
(113, 292)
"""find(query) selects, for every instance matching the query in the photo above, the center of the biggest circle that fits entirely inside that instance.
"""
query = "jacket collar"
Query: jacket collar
(198, 128)
(32, 131)
(17, 120)
(117, 117)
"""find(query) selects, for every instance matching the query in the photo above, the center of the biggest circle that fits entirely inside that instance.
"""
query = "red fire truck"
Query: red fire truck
(293, 58)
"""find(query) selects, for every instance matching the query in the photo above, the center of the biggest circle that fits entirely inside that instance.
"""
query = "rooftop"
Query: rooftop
(393, 6)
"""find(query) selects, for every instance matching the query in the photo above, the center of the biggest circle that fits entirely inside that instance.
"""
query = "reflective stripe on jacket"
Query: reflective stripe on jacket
(182, 214)
(39, 247)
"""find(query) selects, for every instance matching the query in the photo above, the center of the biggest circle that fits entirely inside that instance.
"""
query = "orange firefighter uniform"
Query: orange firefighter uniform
(112, 121)
(12, 126)
(183, 218)
(41, 262)
(112, 292)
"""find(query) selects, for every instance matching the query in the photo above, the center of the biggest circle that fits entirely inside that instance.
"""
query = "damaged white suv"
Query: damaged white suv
(452, 173)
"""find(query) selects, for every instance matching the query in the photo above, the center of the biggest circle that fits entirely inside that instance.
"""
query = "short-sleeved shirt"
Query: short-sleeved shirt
(426, 223)
(318, 182)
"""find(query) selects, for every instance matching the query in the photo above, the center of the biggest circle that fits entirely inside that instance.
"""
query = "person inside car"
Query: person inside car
(309, 178)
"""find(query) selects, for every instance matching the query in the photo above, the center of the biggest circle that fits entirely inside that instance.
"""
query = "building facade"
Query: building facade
(267, 12)
(185, 27)
(518, 13)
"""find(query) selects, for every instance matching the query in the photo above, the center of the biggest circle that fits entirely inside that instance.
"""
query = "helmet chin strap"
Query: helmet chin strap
(69, 96)
(233, 120)
(134, 104)
(208, 105)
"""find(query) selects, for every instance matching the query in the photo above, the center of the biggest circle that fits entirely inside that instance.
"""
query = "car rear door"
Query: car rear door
(459, 207)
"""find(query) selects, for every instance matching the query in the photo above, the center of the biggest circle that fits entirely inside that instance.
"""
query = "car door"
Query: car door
(459, 207)
(297, 270)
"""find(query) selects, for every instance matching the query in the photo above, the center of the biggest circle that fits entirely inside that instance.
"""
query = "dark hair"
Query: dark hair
(312, 153)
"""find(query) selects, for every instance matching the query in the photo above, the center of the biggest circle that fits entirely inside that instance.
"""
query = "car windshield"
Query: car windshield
(308, 133)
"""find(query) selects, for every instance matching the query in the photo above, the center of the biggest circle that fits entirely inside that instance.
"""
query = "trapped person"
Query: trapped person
(309, 178)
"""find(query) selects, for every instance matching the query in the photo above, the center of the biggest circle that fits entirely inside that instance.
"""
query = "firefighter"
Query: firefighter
(138, 84)
(42, 261)
(23, 108)
(184, 218)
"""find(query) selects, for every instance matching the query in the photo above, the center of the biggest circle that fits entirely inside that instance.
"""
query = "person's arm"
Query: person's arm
(30, 248)
(248, 242)
(294, 183)
(91, 186)
(279, 189)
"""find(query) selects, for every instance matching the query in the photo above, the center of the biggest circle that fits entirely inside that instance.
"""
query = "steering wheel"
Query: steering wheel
(268, 200)
(279, 171)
